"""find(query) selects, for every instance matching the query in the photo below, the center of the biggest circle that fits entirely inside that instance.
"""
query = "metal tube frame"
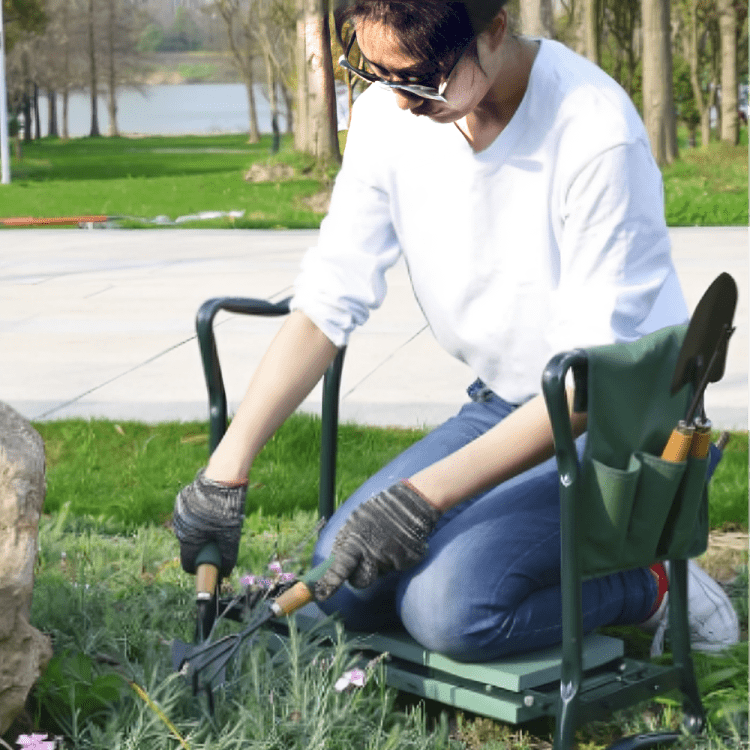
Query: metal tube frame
(217, 400)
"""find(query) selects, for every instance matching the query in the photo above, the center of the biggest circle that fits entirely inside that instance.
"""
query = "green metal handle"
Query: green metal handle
(313, 576)
(209, 555)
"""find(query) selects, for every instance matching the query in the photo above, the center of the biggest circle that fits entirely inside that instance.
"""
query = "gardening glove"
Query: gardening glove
(387, 532)
(208, 511)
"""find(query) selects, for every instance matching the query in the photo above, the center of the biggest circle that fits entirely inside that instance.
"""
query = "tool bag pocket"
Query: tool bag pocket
(631, 517)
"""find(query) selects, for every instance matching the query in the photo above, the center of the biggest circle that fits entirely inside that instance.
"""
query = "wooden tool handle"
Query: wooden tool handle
(206, 581)
(207, 571)
(292, 599)
(302, 591)
(701, 440)
(678, 446)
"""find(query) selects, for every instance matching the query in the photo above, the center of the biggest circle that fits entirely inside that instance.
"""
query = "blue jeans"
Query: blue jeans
(490, 583)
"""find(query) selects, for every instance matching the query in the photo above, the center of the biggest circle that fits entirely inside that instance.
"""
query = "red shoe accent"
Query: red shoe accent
(660, 572)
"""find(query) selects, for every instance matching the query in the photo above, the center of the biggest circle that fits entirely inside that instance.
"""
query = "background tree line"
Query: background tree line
(679, 60)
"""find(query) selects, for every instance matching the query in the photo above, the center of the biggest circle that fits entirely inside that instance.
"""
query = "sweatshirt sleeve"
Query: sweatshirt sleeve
(342, 278)
(616, 276)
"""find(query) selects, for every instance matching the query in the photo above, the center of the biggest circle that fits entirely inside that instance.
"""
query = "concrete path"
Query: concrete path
(100, 323)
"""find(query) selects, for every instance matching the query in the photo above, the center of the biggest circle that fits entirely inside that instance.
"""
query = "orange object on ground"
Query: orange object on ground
(31, 221)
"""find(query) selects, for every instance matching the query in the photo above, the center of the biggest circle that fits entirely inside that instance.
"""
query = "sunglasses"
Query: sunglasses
(416, 89)
(425, 92)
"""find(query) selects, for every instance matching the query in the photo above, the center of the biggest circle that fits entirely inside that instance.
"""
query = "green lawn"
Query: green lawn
(143, 178)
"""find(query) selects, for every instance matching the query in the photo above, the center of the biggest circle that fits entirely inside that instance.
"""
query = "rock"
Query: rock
(24, 651)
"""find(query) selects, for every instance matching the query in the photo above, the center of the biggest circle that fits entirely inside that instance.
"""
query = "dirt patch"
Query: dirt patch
(269, 173)
(727, 552)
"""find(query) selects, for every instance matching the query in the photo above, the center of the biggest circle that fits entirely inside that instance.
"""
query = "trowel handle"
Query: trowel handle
(701, 439)
(207, 566)
(678, 445)
(302, 592)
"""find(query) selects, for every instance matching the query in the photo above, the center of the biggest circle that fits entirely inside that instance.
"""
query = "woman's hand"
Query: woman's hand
(387, 532)
(207, 511)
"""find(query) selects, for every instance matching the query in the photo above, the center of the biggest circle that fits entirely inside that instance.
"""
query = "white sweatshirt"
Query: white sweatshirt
(551, 238)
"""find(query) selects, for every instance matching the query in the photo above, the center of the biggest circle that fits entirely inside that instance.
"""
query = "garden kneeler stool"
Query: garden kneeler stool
(637, 509)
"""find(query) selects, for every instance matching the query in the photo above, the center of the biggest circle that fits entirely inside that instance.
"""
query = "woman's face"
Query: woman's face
(465, 87)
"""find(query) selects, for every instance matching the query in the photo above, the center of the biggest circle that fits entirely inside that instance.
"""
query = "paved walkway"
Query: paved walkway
(99, 323)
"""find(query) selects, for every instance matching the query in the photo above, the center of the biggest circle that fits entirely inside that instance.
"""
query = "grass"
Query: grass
(143, 178)
(179, 176)
(110, 591)
(709, 187)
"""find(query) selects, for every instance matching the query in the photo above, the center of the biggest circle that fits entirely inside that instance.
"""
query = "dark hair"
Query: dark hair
(437, 31)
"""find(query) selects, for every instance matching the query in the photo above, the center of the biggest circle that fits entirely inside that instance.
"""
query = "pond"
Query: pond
(195, 108)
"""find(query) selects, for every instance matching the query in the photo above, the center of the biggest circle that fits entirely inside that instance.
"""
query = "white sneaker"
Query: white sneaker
(711, 617)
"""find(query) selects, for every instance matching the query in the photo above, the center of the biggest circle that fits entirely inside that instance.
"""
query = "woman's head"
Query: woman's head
(429, 42)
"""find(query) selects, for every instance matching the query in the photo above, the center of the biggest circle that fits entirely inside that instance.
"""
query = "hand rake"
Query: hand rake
(204, 664)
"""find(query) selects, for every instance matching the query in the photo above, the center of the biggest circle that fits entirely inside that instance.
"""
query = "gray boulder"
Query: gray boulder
(24, 651)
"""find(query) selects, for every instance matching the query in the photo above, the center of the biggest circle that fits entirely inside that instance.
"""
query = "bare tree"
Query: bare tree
(122, 26)
(91, 28)
(730, 132)
(316, 125)
(696, 21)
(658, 100)
(621, 24)
(239, 20)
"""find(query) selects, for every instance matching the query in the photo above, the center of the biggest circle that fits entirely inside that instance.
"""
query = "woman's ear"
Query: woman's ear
(497, 29)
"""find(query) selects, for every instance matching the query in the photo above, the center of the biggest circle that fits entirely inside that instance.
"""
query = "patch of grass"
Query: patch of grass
(176, 176)
(708, 186)
(130, 471)
(728, 490)
(112, 601)
(112, 604)
(142, 178)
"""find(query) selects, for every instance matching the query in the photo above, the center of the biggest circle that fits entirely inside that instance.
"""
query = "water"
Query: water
(196, 108)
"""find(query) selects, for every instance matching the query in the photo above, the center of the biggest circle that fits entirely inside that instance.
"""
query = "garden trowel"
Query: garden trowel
(701, 361)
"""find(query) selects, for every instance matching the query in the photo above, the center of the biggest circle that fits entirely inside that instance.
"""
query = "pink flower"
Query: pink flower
(35, 742)
(275, 567)
(354, 677)
(288, 576)
(247, 580)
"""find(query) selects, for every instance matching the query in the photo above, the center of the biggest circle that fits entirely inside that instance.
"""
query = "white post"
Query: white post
(4, 152)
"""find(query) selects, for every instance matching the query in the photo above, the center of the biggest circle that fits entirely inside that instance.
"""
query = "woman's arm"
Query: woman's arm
(297, 358)
(522, 440)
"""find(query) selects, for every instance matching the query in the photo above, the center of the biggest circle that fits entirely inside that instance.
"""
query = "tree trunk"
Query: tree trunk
(65, 119)
(317, 126)
(273, 103)
(52, 114)
(658, 101)
(93, 81)
(253, 132)
(702, 102)
(113, 130)
(37, 118)
(730, 126)
(537, 19)
(289, 106)
(591, 29)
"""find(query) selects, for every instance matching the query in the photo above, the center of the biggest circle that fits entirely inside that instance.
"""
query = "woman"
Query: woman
(517, 180)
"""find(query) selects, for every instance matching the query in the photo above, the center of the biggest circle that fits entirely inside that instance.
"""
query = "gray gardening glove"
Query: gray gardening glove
(387, 532)
(207, 511)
